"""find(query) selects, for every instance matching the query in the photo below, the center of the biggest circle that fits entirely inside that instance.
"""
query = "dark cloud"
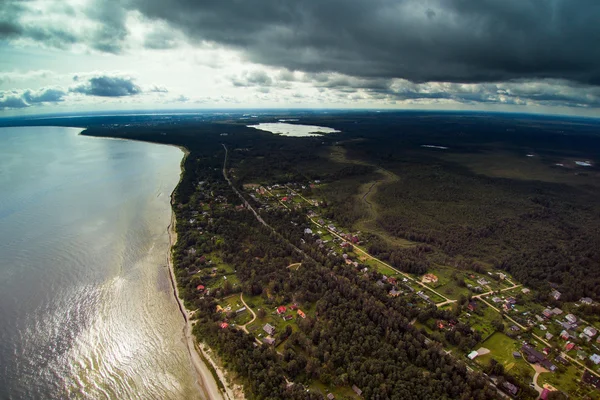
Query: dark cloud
(440, 40)
(253, 78)
(103, 24)
(44, 96)
(12, 101)
(27, 98)
(107, 86)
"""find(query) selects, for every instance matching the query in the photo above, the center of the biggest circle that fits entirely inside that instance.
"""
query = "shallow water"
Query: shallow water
(86, 304)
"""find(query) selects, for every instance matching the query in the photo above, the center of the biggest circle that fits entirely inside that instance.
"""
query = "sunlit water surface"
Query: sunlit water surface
(86, 307)
(297, 130)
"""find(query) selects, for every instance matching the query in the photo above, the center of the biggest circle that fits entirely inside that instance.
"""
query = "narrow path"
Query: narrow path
(294, 265)
(251, 311)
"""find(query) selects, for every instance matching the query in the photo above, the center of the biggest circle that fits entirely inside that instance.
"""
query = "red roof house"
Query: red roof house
(224, 325)
(200, 287)
(281, 310)
(570, 346)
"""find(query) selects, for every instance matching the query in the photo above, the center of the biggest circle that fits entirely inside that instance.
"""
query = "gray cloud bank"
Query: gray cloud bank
(107, 86)
(421, 41)
(513, 50)
(27, 98)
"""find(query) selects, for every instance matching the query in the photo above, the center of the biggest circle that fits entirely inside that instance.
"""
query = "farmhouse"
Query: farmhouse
(270, 329)
(590, 331)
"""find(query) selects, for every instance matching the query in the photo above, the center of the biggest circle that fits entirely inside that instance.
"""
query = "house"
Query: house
(392, 281)
(547, 313)
(472, 355)
(510, 388)
(482, 281)
(549, 336)
(571, 318)
(356, 390)
(330, 396)
(281, 310)
(501, 276)
(543, 327)
(557, 311)
(586, 300)
(308, 231)
(581, 354)
(511, 300)
(496, 299)
(301, 314)
(564, 335)
(394, 292)
(569, 346)
(200, 288)
(472, 305)
(525, 290)
(544, 395)
(287, 317)
(590, 331)
(430, 278)
(240, 310)
(555, 294)
(534, 356)
(595, 359)
(514, 328)
(424, 296)
(224, 325)
(516, 354)
(269, 340)
(270, 329)
(591, 379)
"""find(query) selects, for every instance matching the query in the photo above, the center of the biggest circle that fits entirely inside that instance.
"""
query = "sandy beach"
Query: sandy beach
(206, 380)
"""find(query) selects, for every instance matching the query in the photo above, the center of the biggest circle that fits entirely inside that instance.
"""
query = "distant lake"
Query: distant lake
(284, 129)
(87, 309)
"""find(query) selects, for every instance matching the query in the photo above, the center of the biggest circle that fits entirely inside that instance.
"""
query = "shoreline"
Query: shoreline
(212, 389)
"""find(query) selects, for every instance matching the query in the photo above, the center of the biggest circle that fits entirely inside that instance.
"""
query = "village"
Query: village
(544, 346)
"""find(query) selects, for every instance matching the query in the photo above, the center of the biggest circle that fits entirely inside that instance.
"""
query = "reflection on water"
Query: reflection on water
(296, 130)
(86, 306)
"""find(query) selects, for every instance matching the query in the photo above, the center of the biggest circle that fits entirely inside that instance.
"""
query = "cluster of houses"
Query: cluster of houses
(534, 356)
(282, 312)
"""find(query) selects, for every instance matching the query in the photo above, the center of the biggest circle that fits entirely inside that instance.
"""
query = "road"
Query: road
(407, 276)
(251, 311)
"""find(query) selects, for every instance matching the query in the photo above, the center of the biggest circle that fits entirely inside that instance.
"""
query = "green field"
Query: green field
(501, 349)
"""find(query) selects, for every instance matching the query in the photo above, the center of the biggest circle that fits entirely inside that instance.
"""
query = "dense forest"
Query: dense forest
(544, 231)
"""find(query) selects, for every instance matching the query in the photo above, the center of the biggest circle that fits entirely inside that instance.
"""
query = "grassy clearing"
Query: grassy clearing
(568, 380)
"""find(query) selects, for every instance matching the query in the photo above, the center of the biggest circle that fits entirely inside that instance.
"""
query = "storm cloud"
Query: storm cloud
(107, 86)
(421, 41)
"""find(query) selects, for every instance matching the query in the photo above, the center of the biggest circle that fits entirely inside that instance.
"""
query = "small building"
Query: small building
(270, 329)
(269, 340)
(547, 313)
(200, 288)
(510, 388)
(224, 325)
(472, 305)
(330, 396)
(301, 314)
(557, 311)
(472, 355)
(496, 299)
(287, 317)
(586, 300)
(555, 294)
(571, 318)
(581, 354)
(240, 310)
(549, 336)
(394, 292)
(595, 358)
(281, 310)
(569, 346)
(525, 290)
(424, 296)
(482, 281)
(356, 390)
(516, 354)
(590, 331)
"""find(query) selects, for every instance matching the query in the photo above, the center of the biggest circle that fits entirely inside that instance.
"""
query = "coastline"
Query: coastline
(211, 388)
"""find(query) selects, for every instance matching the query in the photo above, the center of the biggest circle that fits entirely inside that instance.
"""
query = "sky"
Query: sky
(539, 56)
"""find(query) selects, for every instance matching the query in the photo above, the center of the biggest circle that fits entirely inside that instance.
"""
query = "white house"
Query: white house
(571, 318)
(590, 331)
